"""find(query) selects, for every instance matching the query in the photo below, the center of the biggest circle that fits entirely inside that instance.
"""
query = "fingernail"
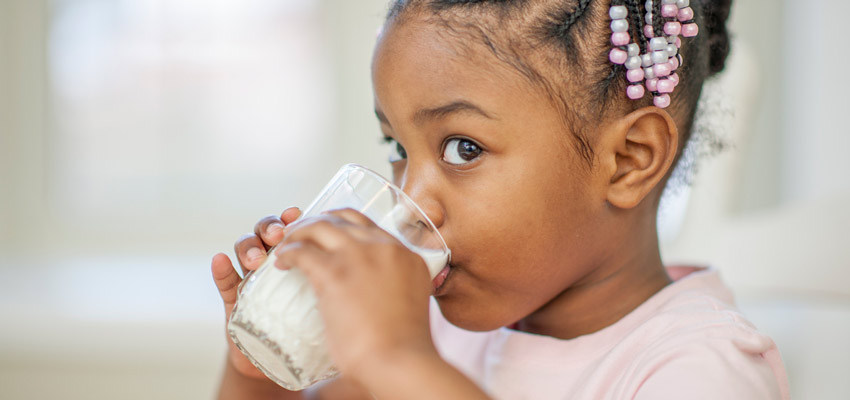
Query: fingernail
(255, 254)
(274, 228)
(282, 266)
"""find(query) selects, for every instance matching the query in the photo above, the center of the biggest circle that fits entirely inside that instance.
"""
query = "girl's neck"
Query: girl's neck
(603, 297)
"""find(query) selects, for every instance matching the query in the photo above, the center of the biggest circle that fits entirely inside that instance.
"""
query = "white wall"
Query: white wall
(815, 99)
(354, 27)
(760, 182)
(23, 119)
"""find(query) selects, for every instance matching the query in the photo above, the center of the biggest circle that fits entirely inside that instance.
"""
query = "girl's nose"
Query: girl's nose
(418, 189)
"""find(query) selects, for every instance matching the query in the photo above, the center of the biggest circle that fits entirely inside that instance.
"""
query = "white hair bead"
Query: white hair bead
(633, 62)
(619, 25)
(618, 12)
(658, 44)
(660, 57)
(672, 50)
(663, 56)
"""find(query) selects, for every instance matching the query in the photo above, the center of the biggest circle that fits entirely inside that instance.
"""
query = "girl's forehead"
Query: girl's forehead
(421, 46)
(416, 64)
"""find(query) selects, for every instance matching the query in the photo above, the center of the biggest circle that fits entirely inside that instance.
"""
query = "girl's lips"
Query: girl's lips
(440, 279)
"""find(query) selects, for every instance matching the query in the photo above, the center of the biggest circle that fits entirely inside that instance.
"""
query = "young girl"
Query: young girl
(538, 136)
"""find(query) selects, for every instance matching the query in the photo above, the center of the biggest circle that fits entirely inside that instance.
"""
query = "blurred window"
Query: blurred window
(183, 107)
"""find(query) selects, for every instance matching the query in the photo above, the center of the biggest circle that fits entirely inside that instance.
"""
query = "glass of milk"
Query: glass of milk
(275, 322)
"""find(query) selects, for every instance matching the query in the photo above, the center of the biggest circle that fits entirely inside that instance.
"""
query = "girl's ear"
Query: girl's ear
(637, 152)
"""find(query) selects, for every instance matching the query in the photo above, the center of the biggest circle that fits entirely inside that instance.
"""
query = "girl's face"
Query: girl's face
(488, 157)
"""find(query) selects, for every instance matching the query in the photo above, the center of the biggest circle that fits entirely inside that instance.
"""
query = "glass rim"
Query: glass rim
(353, 166)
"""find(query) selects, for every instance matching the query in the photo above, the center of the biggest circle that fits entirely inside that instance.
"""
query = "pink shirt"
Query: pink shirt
(686, 342)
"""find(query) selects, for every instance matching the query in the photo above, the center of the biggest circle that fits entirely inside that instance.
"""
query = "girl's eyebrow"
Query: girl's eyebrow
(456, 107)
(423, 115)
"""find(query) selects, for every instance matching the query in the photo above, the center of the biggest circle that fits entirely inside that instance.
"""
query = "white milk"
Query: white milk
(280, 310)
(435, 260)
(278, 325)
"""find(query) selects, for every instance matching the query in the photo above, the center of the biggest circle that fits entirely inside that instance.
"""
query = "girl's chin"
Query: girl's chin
(466, 316)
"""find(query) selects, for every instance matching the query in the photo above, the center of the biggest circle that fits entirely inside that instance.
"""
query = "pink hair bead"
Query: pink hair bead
(653, 70)
(652, 84)
(665, 86)
(662, 70)
(675, 79)
(618, 56)
(635, 92)
(669, 11)
(620, 39)
(673, 28)
(674, 63)
(686, 14)
(690, 30)
(635, 75)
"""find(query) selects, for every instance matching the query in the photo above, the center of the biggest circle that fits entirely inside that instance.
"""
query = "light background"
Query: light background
(139, 137)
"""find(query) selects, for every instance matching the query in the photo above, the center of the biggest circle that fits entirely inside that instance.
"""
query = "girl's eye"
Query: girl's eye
(397, 152)
(460, 151)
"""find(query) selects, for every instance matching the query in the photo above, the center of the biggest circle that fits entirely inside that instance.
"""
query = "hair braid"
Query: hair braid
(657, 23)
(563, 28)
(615, 69)
(637, 23)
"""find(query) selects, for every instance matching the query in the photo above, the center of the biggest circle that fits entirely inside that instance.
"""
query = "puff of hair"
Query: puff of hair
(716, 13)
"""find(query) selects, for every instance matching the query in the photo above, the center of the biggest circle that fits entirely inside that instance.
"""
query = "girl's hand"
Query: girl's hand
(372, 290)
(251, 252)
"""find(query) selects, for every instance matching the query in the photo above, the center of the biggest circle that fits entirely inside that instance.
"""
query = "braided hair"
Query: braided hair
(560, 44)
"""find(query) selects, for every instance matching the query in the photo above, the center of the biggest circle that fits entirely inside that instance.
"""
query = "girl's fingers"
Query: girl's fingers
(269, 230)
(290, 215)
(326, 231)
(353, 216)
(250, 252)
(226, 280)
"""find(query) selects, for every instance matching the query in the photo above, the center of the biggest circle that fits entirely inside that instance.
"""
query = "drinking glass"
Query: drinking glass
(275, 322)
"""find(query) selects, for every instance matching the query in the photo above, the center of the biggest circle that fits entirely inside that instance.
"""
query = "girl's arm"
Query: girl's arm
(412, 376)
(235, 385)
